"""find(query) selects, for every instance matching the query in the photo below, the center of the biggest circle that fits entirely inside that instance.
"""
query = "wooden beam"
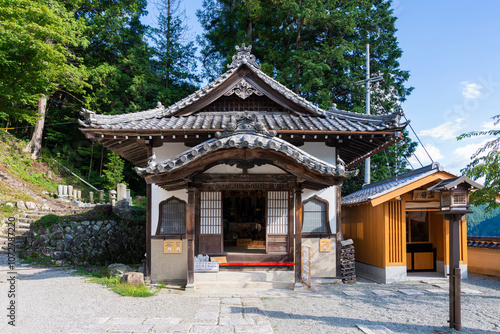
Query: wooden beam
(148, 230)
(190, 228)
(298, 237)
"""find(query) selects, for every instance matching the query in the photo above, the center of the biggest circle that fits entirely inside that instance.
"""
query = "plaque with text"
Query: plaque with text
(172, 246)
(324, 245)
(424, 195)
(206, 266)
(220, 259)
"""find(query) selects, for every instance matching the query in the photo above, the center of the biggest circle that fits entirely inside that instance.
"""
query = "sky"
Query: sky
(452, 50)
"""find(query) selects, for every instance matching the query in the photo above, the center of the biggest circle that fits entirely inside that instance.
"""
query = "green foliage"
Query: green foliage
(485, 165)
(38, 260)
(35, 37)
(175, 61)
(113, 283)
(48, 220)
(6, 210)
(482, 222)
(318, 50)
(117, 57)
(113, 172)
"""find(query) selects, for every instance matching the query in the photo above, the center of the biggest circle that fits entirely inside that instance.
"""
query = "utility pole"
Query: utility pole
(368, 82)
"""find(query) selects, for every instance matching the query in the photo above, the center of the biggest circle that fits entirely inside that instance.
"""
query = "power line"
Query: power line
(419, 140)
(382, 105)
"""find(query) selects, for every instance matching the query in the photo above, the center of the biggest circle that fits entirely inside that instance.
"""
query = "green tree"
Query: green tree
(113, 172)
(36, 38)
(175, 60)
(485, 164)
(118, 57)
(317, 49)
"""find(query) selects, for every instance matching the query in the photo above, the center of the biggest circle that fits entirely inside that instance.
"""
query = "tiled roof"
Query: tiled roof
(273, 120)
(319, 119)
(380, 188)
(247, 132)
(484, 242)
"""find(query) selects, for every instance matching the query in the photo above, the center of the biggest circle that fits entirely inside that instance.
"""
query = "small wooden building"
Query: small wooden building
(396, 227)
(243, 169)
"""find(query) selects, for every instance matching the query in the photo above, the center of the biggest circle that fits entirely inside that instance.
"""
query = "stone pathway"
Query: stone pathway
(215, 315)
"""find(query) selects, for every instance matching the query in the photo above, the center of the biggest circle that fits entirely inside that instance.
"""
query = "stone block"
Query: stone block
(118, 269)
(133, 278)
(31, 206)
(121, 192)
(20, 205)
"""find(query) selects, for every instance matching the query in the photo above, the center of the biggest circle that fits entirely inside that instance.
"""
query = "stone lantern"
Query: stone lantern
(454, 206)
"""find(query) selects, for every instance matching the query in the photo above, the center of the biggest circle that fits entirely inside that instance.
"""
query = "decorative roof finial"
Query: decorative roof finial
(244, 56)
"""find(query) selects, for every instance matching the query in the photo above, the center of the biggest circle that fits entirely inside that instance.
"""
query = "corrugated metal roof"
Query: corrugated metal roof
(383, 187)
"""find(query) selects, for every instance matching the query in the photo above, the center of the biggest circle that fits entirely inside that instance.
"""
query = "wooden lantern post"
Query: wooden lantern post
(454, 206)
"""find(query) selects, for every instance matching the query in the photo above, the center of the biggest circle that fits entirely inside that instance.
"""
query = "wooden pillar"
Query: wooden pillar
(298, 238)
(455, 272)
(338, 192)
(190, 217)
(147, 270)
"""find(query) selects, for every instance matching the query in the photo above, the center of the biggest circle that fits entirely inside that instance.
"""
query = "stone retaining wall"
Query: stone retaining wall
(87, 242)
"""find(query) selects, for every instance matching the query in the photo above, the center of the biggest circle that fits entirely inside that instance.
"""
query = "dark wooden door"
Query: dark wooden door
(210, 238)
(277, 222)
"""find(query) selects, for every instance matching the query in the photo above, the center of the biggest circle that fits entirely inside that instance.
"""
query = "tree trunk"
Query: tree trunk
(35, 144)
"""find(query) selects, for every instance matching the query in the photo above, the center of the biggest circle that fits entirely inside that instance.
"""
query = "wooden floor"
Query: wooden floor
(244, 250)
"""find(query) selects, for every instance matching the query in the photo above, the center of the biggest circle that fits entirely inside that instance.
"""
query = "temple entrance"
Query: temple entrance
(248, 224)
(244, 218)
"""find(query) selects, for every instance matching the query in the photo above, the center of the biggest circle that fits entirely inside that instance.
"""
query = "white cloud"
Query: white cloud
(490, 126)
(434, 152)
(447, 130)
(471, 90)
(461, 155)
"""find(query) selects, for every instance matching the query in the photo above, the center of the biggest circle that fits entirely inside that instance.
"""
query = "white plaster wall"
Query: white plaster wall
(157, 195)
(321, 151)
(169, 150)
(329, 194)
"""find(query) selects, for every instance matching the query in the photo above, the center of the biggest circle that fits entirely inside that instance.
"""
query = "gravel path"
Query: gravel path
(58, 301)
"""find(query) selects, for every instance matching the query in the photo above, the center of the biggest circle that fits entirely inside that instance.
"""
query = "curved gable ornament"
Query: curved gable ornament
(243, 89)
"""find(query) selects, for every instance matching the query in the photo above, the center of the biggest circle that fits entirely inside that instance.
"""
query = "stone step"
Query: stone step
(243, 285)
(246, 279)
(255, 276)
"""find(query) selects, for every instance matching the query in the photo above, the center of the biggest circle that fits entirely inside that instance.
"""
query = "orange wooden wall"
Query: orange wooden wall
(484, 261)
(379, 234)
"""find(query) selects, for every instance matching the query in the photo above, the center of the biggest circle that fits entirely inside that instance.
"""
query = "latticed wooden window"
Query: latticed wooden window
(172, 217)
(315, 216)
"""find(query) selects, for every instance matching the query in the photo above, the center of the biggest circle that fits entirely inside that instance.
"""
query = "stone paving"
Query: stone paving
(215, 315)
(57, 300)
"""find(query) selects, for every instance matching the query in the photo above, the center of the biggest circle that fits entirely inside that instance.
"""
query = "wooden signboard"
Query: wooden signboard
(306, 265)
(172, 246)
(324, 245)
(424, 195)
(219, 259)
